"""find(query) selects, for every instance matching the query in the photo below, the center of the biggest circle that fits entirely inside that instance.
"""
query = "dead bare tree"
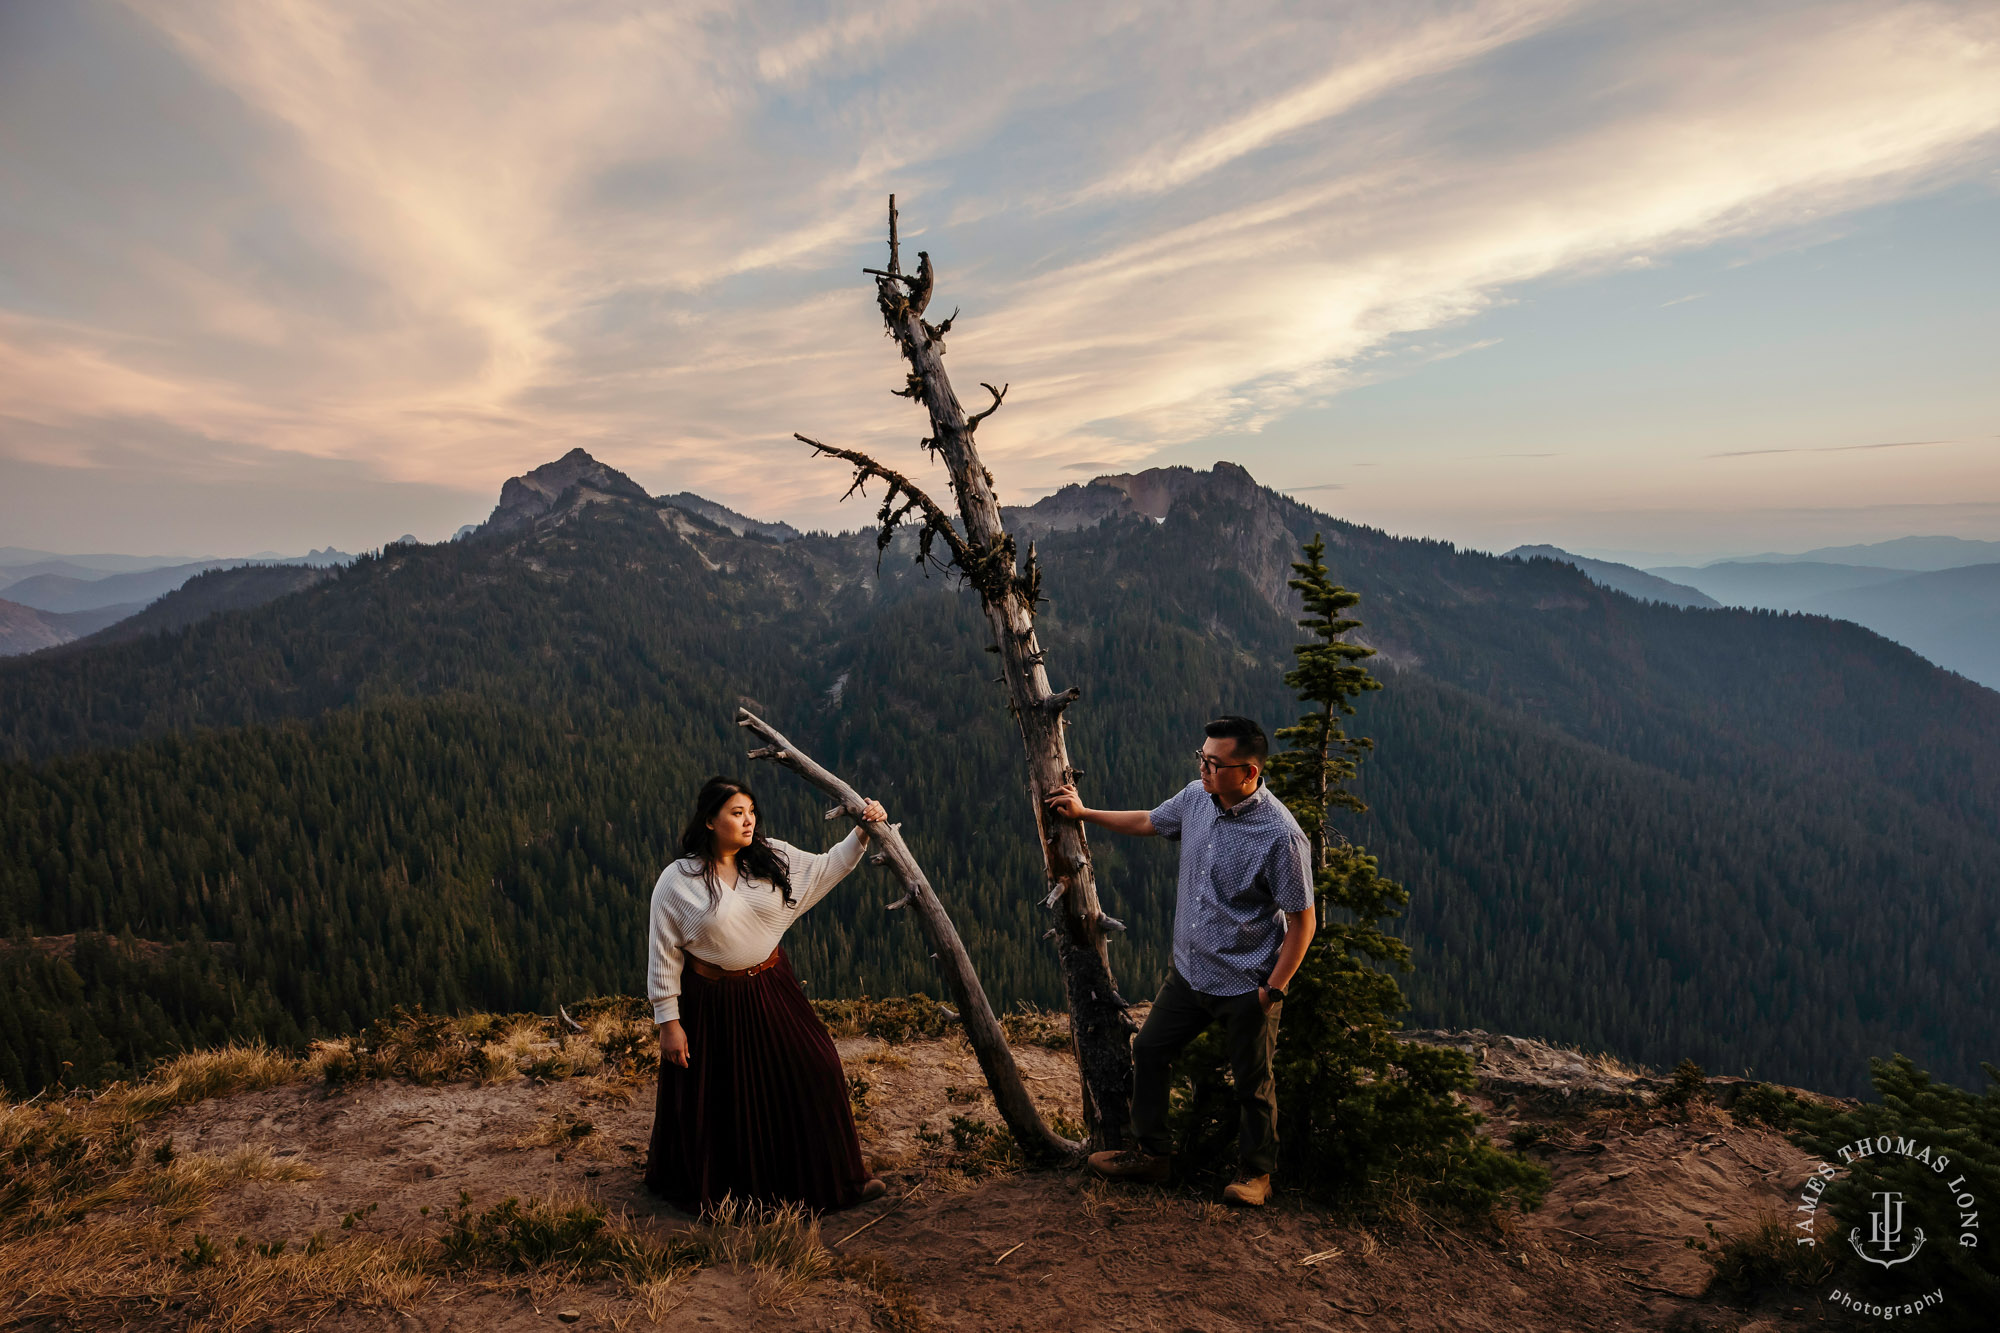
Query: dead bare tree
(982, 1028)
(1009, 588)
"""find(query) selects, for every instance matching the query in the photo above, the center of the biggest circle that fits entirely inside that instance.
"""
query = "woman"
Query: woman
(753, 1101)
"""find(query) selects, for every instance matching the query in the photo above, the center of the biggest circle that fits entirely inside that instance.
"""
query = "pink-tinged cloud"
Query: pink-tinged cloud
(446, 241)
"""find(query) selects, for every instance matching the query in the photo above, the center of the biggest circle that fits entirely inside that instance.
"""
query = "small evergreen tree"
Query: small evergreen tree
(1362, 1116)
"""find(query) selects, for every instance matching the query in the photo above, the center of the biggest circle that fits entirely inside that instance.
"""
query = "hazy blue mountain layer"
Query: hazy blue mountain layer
(1621, 578)
(1910, 553)
(1951, 616)
(1776, 587)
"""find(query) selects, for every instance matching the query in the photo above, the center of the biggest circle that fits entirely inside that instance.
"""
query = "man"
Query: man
(1242, 920)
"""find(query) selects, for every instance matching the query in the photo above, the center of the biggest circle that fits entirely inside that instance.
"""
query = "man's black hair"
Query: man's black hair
(1243, 733)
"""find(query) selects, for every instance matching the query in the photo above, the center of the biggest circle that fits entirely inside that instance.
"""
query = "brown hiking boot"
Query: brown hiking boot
(873, 1189)
(1132, 1164)
(1249, 1191)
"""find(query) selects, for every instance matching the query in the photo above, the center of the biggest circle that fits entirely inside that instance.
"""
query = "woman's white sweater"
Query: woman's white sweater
(744, 927)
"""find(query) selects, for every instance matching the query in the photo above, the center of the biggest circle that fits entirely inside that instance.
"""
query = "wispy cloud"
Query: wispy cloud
(443, 241)
(1365, 65)
(1829, 448)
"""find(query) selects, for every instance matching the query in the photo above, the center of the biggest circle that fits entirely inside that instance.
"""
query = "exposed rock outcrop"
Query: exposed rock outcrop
(725, 517)
(527, 497)
(1554, 1078)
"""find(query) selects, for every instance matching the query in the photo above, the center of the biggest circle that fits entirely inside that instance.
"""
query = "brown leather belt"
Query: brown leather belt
(704, 968)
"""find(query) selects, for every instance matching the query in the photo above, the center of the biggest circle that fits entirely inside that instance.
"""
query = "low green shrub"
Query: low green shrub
(1766, 1104)
(1687, 1085)
(894, 1019)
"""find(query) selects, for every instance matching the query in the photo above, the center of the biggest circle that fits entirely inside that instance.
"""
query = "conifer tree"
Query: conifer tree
(1362, 1115)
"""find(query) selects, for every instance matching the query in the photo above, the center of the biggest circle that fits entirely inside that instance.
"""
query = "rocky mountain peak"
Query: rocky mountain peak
(532, 494)
(1152, 493)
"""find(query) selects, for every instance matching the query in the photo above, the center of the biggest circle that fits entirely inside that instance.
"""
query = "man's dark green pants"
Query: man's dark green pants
(1179, 1015)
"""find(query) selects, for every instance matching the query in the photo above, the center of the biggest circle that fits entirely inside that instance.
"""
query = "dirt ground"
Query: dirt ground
(1021, 1250)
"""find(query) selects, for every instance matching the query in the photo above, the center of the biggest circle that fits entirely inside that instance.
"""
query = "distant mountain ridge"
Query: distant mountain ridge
(67, 592)
(17, 562)
(1951, 615)
(51, 591)
(1776, 586)
(51, 608)
(211, 592)
(1916, 554)
(25, 629)
(1623, 578)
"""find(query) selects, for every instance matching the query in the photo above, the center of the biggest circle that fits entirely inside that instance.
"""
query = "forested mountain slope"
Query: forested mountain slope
(449, 775)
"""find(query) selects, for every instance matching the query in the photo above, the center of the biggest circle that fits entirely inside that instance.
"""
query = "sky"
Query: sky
(1654, 282)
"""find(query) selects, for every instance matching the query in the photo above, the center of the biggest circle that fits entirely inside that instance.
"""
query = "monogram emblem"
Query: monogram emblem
(1885, 1233)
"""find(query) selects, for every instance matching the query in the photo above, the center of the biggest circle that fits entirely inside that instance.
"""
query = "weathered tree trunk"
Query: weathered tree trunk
(985, 553)
(982, 1028)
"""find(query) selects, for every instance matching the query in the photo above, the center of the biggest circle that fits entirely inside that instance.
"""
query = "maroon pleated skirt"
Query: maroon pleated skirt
(761, 1110)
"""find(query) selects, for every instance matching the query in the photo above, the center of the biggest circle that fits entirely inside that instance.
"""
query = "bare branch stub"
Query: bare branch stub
(934, 333)
(999, 397)
(1055, 703)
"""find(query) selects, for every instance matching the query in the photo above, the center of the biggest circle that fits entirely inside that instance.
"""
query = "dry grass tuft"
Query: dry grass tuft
(560, 1129)
(896, 1307)
(183, 1187)
(1766, 1258)
(1028, 1026)
(197, 1076)
(124, 1273)
(492, 1048)
(560, 1239)
(659, 1297)
(782, 1246)
(517, 1045)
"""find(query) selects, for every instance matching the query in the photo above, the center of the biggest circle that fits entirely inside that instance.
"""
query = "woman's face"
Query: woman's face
(734, 824)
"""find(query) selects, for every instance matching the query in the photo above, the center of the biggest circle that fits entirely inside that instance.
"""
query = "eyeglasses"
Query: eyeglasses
(1210, 765)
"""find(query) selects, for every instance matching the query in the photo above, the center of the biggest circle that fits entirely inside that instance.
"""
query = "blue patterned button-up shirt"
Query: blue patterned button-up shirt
(1242, 869)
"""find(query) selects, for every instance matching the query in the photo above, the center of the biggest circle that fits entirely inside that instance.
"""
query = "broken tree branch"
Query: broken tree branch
(982, 1028)
(936, 522)
(999, 397)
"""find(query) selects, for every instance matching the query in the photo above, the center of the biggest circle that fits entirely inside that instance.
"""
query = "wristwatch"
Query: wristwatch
(1275, 992)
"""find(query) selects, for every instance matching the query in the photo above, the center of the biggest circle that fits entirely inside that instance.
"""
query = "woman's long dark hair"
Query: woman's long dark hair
(758, 859)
